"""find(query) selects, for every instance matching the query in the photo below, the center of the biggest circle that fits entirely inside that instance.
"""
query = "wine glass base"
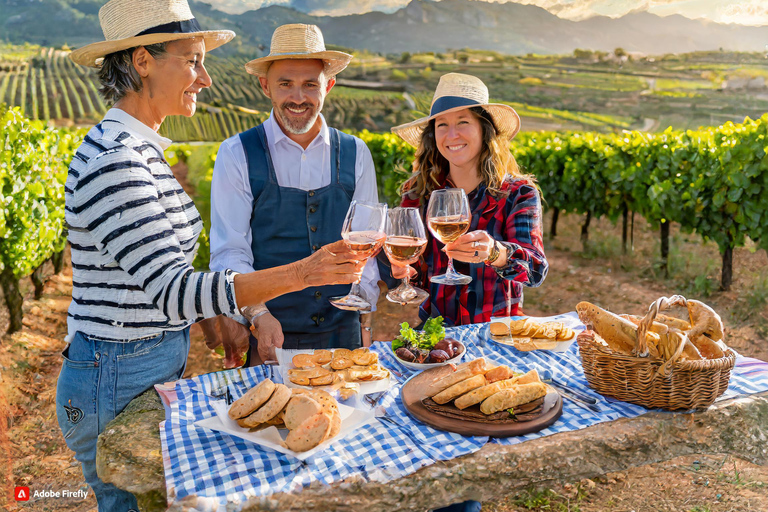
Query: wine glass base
(451, 280)
(351, 303)
(410, 295)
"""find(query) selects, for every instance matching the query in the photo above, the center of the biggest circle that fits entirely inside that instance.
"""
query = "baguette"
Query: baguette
(619, 333)
(498, 373)
(527, 378)
(460, 388)
(512, 397)
(478, 395)
(464, 372)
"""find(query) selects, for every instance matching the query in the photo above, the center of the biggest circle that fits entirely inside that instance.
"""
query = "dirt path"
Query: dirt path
(30, 362)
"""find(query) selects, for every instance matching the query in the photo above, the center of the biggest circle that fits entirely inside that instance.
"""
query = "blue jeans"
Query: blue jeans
(97, 381)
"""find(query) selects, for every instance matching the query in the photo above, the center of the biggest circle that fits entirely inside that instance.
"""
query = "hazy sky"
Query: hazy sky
(747, 12)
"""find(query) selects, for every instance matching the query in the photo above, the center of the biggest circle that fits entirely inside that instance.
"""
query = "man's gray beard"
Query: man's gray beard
(301, 130)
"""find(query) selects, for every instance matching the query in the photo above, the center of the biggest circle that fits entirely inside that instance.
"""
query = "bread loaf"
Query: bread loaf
(458, 389)
(512, 397)
(269, 410)
(299, 408)
(502, 372)
(478, 395)
(310, 433)
(465, 371)
(252, 400)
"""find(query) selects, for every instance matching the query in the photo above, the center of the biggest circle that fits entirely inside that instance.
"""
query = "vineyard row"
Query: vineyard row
(713, 182)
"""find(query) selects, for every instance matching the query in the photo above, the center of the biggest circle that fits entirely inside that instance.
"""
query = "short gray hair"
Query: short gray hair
(117, 75)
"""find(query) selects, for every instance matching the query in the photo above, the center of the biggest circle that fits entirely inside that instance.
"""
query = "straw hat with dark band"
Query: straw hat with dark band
(130, 23)
(456, 91)
(299, 41)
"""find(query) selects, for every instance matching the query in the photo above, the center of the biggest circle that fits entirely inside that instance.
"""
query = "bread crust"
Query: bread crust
(269, 410)
(460, 388)
(299, 408)
(512, 397)
(310, 433)
(465, 371)
(478, 395)
(252, 400)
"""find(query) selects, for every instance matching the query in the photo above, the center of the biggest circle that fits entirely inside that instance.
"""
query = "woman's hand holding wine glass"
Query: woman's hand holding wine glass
(474, 247)
(448, 218)
(334, 263)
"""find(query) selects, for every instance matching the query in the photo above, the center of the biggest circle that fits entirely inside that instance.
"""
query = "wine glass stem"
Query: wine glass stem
(450, 271)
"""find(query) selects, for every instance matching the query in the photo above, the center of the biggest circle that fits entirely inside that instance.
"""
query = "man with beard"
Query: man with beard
(281, 190)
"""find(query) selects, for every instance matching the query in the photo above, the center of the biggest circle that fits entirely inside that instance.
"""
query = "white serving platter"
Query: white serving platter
(560, 346)
(284, 361)
(272, 437)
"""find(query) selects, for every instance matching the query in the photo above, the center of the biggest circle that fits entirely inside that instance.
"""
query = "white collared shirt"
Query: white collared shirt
(295, 167)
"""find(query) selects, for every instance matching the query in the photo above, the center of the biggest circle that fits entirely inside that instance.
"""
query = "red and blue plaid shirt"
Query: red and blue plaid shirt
(511, 216)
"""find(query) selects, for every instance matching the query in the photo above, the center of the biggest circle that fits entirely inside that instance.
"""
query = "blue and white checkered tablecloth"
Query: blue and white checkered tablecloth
(223, 471)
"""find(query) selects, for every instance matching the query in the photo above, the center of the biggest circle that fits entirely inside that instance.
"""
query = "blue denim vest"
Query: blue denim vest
(289, 224)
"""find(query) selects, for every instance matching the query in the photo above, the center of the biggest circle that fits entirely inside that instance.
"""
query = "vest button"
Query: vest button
(314, 247)
(312, 209)
(313, 228)
(314, 318)
(318, 295)
(322, 319)
(311, 193)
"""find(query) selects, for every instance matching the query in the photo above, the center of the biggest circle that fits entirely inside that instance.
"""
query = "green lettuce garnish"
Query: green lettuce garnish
(426, 339)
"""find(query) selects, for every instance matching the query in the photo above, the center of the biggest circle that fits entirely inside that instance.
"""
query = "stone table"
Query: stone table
(129, 456)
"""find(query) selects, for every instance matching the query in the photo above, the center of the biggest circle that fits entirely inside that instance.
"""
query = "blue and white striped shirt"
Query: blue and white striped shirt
(133, 232)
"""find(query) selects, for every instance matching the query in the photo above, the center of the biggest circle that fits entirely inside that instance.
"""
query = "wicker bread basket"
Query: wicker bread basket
(675, 384)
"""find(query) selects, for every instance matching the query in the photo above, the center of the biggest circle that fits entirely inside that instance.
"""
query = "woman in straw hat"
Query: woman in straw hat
(133, 232)
(464, 143)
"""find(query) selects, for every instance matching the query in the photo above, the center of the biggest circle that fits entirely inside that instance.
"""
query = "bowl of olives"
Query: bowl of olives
(428, 348)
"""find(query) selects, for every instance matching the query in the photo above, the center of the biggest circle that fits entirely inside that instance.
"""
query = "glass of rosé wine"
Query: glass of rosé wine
(448, 218)
(363, 232)
(406, 241)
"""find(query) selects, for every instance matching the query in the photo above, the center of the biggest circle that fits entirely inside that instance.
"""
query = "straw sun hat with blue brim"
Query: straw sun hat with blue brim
(131, 23)
(457, 91)
(298, 41)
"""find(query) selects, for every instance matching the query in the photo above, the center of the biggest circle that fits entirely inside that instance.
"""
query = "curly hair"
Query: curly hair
(496, 161)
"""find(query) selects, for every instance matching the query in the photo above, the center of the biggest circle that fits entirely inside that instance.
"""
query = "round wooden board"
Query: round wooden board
(419, 387)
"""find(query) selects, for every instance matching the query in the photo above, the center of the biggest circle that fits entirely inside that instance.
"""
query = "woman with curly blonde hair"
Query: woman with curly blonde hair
(464, 143)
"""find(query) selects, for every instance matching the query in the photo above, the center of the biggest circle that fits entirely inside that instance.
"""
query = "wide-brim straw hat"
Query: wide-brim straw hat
(456, 91)
(131, 23)
(299, 41)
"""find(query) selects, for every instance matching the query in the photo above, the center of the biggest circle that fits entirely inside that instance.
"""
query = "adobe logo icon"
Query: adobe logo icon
(21, 493)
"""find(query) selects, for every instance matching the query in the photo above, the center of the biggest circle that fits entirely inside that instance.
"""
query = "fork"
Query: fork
(374, 398)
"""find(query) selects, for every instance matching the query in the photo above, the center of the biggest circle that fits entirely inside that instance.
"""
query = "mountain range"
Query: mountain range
(422, 25)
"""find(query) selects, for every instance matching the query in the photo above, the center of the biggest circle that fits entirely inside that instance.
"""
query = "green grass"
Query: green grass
(674, 84)
(541, 500)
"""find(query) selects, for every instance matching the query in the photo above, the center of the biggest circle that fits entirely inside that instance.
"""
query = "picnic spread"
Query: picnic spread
(401, 424)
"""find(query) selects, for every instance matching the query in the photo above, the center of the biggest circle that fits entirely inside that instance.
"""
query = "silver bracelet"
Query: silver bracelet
(251, 313)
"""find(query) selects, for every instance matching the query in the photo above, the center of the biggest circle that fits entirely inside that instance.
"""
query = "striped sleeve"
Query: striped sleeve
(117, 200)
